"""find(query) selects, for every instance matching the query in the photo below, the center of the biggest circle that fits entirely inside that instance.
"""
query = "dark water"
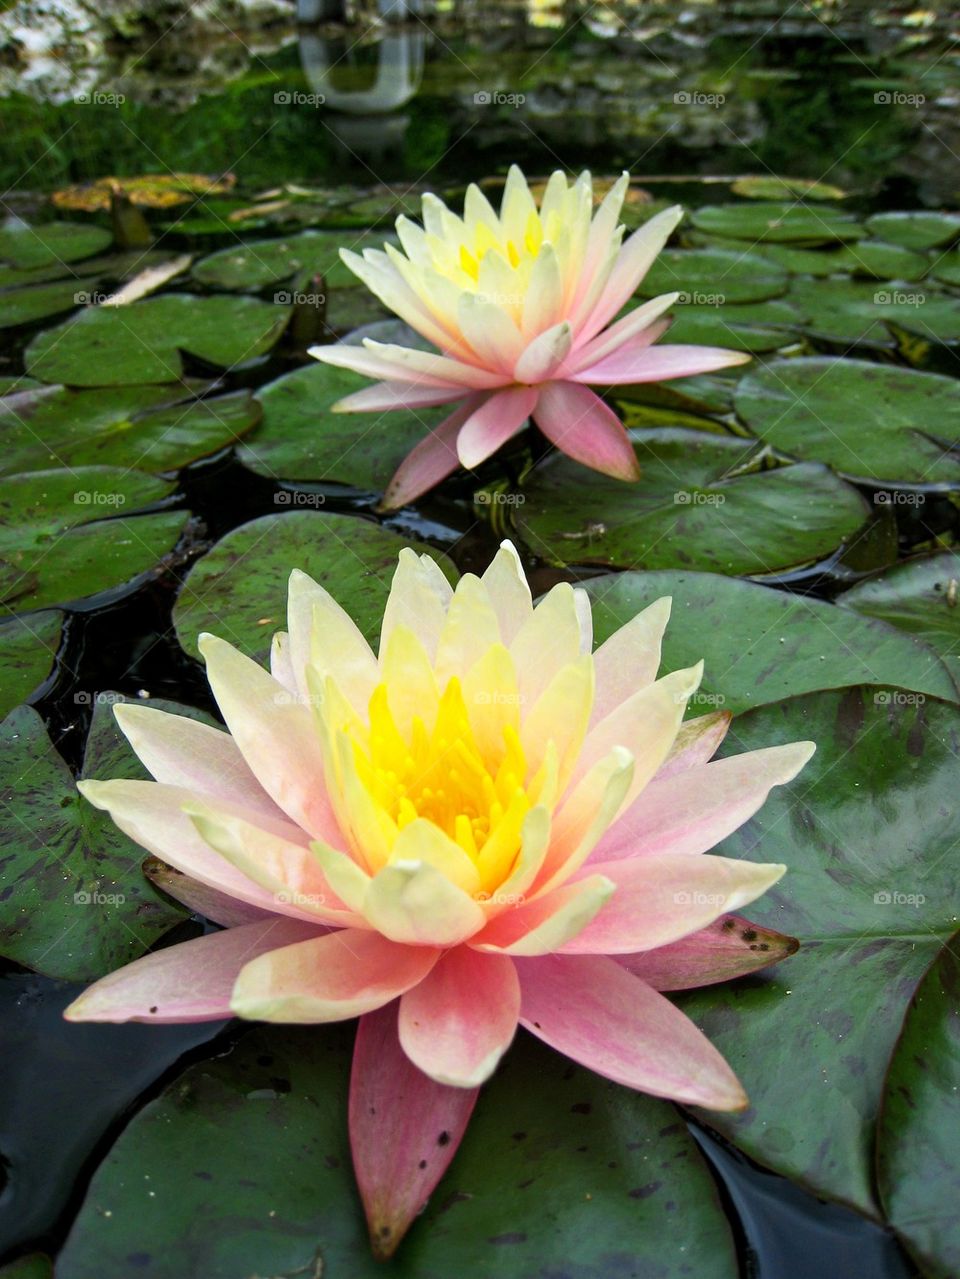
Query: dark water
(436, 98)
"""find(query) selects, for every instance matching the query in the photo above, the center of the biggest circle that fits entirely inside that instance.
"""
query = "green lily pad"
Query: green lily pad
(713, 273)
(947, 269)
(782, 223)
(36, 246)
(683, 513)
(238, 590)
(120, 346)
(28, 648)
(36, 302)
(818, 262)
(872, 421)
(300, 439)
(72, 533)
(850, 311)
(917, 1163)
(868, 831)
(560, 1172)
(751, 326)
(780, 645)
(147, 427)
(883, 261)
(74, 903)
(921, 596)
(263, 262)
(114, 266)
(919, 230)
(770, 188)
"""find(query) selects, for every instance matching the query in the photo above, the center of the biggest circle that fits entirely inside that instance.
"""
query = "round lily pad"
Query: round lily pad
(34, 246)
(262, 262)
(151, 428)
(238, 590)
(28, 649)
(780, 645)
(684, 513)
(872, 421)
(120, 346)
(762, 187)
(917, 230)
(850, 311)
(921, 596)
(782, 223)
(883, 261)
(713, 273)
(947, 269)
(67, 534)
(750, 326)
(300, 439)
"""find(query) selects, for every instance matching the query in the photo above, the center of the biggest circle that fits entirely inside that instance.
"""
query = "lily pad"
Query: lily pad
(921, 596)
(947, 269)
(150, 190)
(300, 439)
(238, 590)
(850, 311)
(611, 1173)
(74, 903)
(71, 533)
(762, 187)
(37, 301)
(712, 273)
(868, 831)
(120, 346)
(262, 262)
(872, 421)
(28, 648)
(782, 223)
(35, 246)
(883, 261)
(753, 326)
(150, 428)
(782, 645)
(918, 230)
(684, 513)
(917, 1163)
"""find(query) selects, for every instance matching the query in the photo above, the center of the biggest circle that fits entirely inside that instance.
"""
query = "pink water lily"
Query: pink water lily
(485, 825)
(521, 307)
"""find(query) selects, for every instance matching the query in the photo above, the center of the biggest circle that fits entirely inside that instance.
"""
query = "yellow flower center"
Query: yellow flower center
(485, 239)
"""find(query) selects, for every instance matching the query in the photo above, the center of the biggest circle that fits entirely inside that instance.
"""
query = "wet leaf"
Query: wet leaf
(771, 188)
(709, 273)
(754, 326)
(922, 229)
(263, 262)
(778, 223)
(51, 242)
(36, 302)
(28, 647)
(849, 311)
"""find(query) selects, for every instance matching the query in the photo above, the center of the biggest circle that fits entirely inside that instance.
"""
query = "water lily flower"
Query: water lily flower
(521, 307)
(484, 825)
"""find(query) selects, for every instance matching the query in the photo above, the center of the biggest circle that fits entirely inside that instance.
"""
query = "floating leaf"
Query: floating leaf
(300, 439)
(560, 1172)
(868, 832)
(771, 188)
(683, 513)
(38, 246)
(782, 645)
(36, 302)
(71, 533)
(151, 428)
(150, 191)
(947, 269)
(921, 596)
(782, 223)
(755, 326)
(918, 230)
(917, 1160)
(711, 273)
(872, 421)
(238, 590)
(883, 261)
(114, 346)
(74, 902)
(28, 648)
(264, 262)
(847, 311)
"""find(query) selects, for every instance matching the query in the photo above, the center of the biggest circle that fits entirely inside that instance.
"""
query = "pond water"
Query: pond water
(335, 118)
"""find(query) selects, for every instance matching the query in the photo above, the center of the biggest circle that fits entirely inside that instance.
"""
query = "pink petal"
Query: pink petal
(331, 978)
(201, 899)
(662, 897)
(493, 423)
(594, 1011)
(693, 811)
(457, 1024)
(189, 982)
(390, 363)
(631, 265)
(697, 741)
(586, 429)
(545, 354)
(629, 659)
(641, 325)
(544, 924)
(430, 461)
(638, 362)
(730, 947)
(404, 1130)
(386, 396)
